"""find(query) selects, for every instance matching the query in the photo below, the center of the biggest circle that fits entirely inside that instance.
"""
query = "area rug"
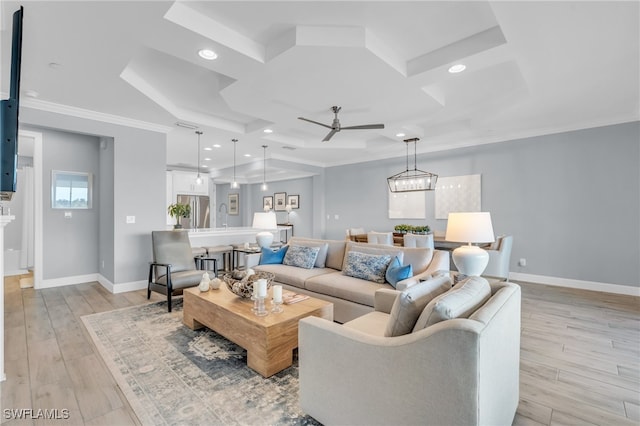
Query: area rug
(173, 375)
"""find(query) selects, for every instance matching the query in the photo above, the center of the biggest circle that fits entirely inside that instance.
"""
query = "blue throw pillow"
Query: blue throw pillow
(396, 272)
(273, 257)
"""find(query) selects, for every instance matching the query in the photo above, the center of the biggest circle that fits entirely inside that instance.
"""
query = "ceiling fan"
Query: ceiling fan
(335, 126)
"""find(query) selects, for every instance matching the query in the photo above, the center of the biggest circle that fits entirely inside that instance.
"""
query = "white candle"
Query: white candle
(277, 293)
(262, 287)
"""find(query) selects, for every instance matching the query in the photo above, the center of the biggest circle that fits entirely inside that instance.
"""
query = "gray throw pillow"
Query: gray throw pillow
(409, 304)
(460, 302)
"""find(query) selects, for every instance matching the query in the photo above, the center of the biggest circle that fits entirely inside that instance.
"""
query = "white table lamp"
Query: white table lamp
(470, 227)
(288, 208)
(265, 221)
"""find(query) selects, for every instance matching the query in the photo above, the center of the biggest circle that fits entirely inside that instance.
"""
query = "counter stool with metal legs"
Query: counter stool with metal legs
(224, 251)
(203, 260)
(198, 252)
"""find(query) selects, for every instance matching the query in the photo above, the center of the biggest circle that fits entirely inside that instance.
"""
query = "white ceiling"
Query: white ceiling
(532, 68)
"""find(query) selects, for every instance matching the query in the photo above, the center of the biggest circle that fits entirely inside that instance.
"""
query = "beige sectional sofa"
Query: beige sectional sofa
(456, 363)
(351, 297)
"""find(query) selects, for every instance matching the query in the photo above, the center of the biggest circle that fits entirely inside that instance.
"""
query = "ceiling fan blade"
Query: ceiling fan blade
(315, 122)
(330, 135)
(364, 126)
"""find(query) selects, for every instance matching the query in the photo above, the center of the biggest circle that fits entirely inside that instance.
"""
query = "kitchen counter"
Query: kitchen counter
(209, 237)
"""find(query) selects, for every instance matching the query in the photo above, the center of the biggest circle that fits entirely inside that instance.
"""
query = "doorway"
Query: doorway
(23, 236)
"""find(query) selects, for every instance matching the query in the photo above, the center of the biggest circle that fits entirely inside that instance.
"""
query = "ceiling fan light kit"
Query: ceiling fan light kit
(336, 127)
(412, 180)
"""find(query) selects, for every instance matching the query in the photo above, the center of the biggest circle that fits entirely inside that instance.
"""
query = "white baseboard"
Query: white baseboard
(130, 286)
(16, 272)
(571, 283)
(121, 287)
(59, 282)
(81, 279)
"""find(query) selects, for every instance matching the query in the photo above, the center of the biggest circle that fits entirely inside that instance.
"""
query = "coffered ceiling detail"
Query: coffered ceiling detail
(531, 68)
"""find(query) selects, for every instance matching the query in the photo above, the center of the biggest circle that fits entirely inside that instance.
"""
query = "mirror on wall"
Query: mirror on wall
(71, 190)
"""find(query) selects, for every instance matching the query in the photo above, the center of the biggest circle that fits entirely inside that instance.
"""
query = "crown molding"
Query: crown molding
(92, 115)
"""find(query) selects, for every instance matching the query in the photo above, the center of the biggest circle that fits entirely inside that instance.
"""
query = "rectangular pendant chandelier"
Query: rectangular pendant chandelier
(412, 180)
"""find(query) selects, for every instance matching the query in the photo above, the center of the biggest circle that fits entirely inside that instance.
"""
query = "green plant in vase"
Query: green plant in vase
(179, 211)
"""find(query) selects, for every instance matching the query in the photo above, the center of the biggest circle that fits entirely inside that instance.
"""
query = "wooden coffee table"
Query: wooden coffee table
(269, 340)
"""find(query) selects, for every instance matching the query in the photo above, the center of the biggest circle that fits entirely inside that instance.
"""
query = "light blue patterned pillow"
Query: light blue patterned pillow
(300, 256)
(368, 267)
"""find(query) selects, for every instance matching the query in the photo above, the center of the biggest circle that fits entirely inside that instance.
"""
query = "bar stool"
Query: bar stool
(198, 252)
(224, 251)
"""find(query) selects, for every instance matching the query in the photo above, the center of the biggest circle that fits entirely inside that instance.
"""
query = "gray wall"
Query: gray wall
(106, 233)
(70, 245)
(137, 175)
(302, 218)
(139, 190)
(571, 200)
(251, 202)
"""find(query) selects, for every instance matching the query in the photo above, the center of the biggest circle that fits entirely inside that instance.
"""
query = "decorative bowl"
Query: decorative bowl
(242, 285)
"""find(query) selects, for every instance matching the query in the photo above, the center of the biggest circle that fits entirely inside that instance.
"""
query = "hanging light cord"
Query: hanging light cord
(264, 165)
(234, 159)
(198, 132)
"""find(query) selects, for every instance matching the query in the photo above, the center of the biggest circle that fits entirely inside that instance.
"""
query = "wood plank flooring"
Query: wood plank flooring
(580, 356)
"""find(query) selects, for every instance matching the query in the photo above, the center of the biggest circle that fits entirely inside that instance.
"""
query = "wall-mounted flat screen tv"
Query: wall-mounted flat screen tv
(9, 116)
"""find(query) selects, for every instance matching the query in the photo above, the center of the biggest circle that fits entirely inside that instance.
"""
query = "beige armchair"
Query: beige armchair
(499, 257)
(174, 267)
(462, 371)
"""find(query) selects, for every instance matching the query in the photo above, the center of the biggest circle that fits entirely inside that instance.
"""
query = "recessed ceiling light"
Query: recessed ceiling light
(400, 135)
(207, 54)
(216, 145)
(268, 131)
(204, 166)
(457, 68)
(247, 155)
(208, 148)
(207, 159)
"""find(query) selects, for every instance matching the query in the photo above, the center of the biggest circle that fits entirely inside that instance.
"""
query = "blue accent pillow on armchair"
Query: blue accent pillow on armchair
(271, 257)
(396, 272)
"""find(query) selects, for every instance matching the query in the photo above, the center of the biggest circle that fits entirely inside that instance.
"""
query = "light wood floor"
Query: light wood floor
(580, 358)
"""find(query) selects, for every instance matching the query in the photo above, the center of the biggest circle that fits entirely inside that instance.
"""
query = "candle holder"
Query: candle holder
(276, 307)
(260, 311)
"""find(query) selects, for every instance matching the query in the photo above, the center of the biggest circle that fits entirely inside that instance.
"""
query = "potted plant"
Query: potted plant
(179, 211)
(401, 229)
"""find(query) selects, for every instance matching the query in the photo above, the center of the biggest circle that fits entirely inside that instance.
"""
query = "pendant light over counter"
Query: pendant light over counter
(412, 180)
(234, 183)
(198, 179)
(264, 168)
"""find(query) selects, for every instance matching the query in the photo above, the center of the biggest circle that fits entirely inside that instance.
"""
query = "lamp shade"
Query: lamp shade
(470, 227)
(264, 221)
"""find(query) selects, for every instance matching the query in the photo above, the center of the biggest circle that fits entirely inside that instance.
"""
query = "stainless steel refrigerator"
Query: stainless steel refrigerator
(199, 211)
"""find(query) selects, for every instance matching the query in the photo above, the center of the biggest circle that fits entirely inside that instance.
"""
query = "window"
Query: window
(71, 190)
